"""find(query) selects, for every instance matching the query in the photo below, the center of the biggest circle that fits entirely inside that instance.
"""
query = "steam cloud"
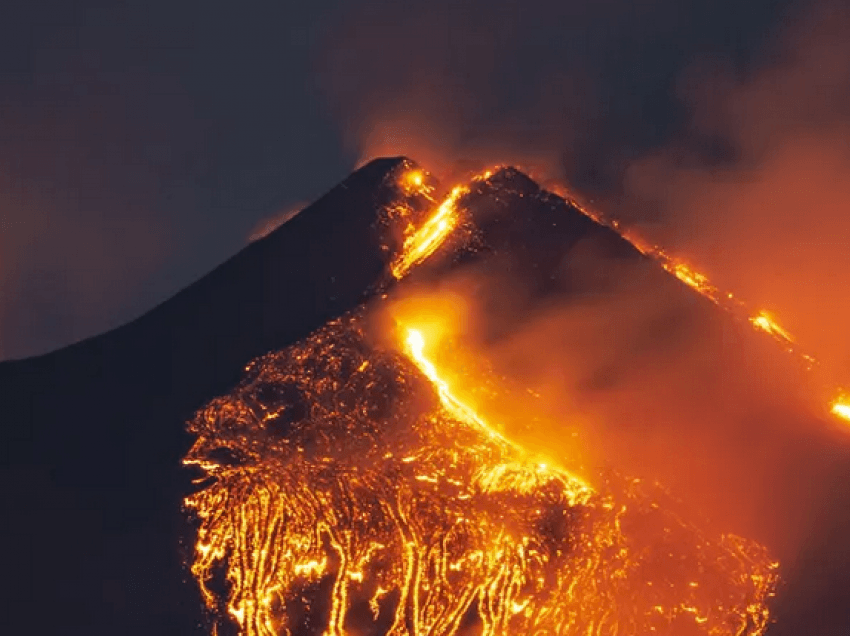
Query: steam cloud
(769, 217)
(749, 184)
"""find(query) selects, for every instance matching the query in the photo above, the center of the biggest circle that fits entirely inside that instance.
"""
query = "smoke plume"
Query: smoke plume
(715, 131)
(755, 191)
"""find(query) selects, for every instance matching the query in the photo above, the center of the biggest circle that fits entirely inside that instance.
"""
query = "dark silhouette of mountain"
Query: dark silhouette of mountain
(93, 434)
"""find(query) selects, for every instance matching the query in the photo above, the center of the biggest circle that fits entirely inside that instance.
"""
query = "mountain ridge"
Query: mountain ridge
(93, 433)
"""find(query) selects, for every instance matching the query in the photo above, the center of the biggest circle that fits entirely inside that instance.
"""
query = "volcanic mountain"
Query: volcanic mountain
(97, 540)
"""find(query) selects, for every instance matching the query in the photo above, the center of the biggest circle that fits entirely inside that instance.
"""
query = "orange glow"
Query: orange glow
(700, 283)
(841, 407)
(390, 492)
(342, 475)
(424, 241)
(414, 181)
(768, 324)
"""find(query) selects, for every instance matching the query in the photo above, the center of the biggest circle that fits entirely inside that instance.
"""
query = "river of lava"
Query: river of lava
(339, 496)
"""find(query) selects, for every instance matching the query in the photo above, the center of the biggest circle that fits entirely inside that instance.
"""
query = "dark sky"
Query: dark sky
(143, 142)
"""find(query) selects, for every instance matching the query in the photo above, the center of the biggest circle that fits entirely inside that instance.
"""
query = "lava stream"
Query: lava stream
(345, 493)
(760, 320)
(422, 242)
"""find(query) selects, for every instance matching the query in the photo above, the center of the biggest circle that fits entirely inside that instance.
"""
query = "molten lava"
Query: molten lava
(841, 407)
(346, 489)
(347, 492)
(415, 348)
(421, 242)
(768, 324)
(413, 181)
(424, 241)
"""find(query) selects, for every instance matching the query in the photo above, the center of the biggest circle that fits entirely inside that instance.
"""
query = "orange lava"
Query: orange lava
(841, 407)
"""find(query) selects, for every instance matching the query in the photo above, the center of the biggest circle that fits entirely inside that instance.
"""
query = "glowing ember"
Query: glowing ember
(841, 407)
(768, 324)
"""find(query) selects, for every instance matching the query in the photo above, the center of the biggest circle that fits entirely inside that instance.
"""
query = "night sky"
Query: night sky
(144, 142)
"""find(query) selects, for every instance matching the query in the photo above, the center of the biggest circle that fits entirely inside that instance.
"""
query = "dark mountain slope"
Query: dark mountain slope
(93, 433)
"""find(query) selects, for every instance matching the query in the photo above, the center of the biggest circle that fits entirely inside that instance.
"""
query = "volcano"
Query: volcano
(94, 434)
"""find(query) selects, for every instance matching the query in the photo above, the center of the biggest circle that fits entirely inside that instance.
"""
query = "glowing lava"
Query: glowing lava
(347, 492)
(424, 241)
(768, 324)
(841, 407)
(346, 488)
(414, 181)
(694, 280)
(415, 348)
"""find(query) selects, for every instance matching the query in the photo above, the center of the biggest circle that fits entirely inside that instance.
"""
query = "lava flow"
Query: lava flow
(420, 242)
(347, 489)
(700, 283)
(415, 348)
(346, 492)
